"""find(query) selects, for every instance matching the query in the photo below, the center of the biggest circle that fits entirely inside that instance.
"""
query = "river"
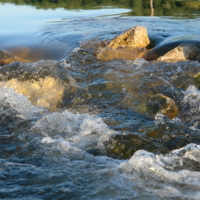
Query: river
(73, 127)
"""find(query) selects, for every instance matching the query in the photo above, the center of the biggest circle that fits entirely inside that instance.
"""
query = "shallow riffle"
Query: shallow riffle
(80, 128)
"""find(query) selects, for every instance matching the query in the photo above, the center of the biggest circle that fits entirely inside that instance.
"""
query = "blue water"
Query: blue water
(22, 24)
(77, 128)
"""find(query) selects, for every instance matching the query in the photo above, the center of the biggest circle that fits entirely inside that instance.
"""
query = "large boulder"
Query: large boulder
(181, 53)
(134, 37)
(129, 45)
(7, 57)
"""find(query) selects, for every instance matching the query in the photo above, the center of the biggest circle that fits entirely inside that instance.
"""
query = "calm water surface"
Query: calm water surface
(77, 128)
(39, 25)
(39, 29)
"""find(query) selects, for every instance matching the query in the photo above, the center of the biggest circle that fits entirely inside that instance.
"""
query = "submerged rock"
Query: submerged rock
(124, 53)
(162, 104)
(6, 58)
(161, 137)
(21, 51)
(181, 53)
(46, 92)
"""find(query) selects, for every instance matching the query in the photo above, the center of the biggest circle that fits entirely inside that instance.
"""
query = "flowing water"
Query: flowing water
(76, 128)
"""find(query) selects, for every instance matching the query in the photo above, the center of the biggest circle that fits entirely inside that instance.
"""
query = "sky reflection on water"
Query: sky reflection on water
(24, 25)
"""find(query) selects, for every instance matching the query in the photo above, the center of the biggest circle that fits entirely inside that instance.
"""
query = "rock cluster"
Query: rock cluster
(134, 44)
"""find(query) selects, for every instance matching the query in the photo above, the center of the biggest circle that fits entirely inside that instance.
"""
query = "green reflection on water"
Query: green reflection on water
(139, 7)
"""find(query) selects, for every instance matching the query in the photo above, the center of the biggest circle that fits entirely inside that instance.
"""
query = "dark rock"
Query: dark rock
(162, 49)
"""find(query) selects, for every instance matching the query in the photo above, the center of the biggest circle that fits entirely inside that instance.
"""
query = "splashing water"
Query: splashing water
(80, 128)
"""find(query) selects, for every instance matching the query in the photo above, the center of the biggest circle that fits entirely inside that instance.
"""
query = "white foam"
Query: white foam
(76, 49)
(174, 172)
(191, 106)
(137, 62)
(159, 118)
(60, 144)
(10, 99)
(81, 130)
(191, 151)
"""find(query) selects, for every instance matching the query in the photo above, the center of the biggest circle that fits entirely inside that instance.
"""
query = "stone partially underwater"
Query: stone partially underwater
(41, 82)
(135, 43)
(7, 57)
(46, 92)
(175, 51)
(131, 45)
(144, 102)
(80, 128)
(140, 101)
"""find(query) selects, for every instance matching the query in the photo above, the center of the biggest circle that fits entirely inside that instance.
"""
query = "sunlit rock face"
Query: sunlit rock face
(135, 42)
(6, 58)
(42, 85)
(134, 37)
(181, 53)
(129, 45)
(47, 92)
(175, 51)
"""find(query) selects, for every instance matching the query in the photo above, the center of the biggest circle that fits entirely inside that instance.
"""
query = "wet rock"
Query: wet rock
(129, 45)
(47, 92)
(165, 135)
(6, 58)
(20, 51)
(124, 53)
(123, 146)
(134, 37)
(181, 53)
(94, 44)
(198, 58)
(162, 104)
(163, 49)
